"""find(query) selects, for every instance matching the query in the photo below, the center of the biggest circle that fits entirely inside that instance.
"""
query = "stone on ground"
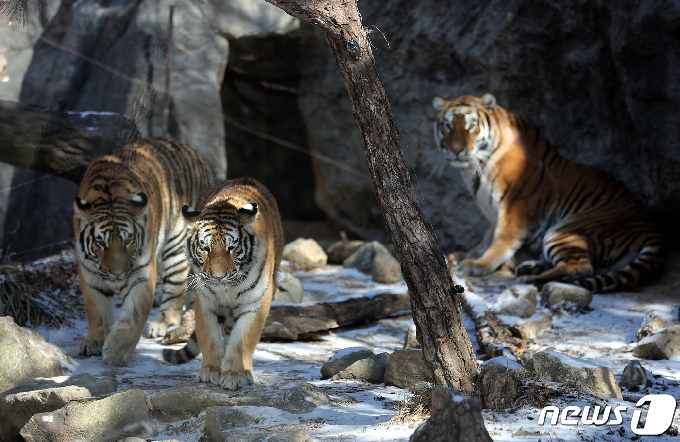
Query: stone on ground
(664, 344)
(288, 288)
(407, 368)
(370, 369)
(227, 424)
(343, 359)
(635, 376)
(18, 404)
(559, 295)
(190, 397)
(110, 419)
(551, 366)
(305, 254)
(500, 383)
(25, 355)
(454, 418)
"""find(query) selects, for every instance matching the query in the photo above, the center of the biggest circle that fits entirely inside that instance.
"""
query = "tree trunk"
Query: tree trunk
(436, 309)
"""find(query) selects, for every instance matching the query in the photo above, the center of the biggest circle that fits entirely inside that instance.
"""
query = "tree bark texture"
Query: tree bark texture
(436, 309)
(59, 143)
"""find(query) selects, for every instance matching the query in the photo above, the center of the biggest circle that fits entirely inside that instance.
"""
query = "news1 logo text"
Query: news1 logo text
(659, 416)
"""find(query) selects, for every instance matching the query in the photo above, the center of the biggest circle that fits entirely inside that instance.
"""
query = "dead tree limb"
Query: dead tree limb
(59, 143)
(436, 310)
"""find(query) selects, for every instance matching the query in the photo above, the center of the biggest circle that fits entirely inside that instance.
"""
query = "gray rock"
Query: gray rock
(343, 359)
(385, 268)
(288, 289)
(653, 322)
(551, 366)
(25, 355)
(305, 254)
(663, 345)
(375, 259)
(362, 258)
(225, 424)
(411, 340)
(635, 376)
(18, 404)
(517, 301)
(454, 418)
(407, 368)
(500, 383)
(567, 296)
(370, 369)
(340, 250)
(531, 327)
(113, 418)
(189, 398)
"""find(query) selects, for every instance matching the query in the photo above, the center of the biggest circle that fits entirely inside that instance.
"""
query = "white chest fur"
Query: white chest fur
(483, 193)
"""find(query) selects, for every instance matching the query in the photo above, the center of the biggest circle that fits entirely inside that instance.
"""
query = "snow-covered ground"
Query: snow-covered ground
(365, 412)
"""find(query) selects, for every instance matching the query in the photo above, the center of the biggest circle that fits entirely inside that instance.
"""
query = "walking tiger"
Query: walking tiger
(234, 245)
(128, 229)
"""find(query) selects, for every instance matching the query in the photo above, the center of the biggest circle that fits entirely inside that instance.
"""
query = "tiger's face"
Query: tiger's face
(110, 233)
(462, 130)
(221, 242)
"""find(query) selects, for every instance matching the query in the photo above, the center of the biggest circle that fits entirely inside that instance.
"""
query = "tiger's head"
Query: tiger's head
(110, 216)
(463, 129)
(221, 241)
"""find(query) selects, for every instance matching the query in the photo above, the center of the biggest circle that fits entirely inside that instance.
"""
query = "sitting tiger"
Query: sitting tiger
(586, 226)
(129, 229)
(235, 245)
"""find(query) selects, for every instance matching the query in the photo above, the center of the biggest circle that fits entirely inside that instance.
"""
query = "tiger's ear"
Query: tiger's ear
(438, 103)
(190, 214)
(488, 101)
(248, 212)
(139, 203)
(82, 208)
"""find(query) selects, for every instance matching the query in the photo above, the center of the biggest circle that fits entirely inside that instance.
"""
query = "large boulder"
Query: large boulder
(18, 404)
(106, 420)
(25, 355)
(593, 84)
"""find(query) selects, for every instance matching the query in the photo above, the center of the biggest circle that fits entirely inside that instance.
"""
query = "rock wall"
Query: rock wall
(597, 77)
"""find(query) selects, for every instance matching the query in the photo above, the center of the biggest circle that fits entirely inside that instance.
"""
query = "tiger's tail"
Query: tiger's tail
(640, 269)
(184, 354)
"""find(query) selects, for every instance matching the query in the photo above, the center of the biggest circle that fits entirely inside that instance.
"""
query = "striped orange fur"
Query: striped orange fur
(583, 224)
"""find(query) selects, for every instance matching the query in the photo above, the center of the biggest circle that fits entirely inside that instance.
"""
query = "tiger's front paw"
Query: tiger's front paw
(119, 345)
(473, 267)
(234, 380)
(157, 329)
(87, 347)
(208, 375)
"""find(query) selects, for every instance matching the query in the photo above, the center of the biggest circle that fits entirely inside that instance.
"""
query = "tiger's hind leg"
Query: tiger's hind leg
(569, 256)
(175, 272)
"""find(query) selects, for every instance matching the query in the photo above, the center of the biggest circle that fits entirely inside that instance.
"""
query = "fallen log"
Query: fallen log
(60, 143)
(289, 321)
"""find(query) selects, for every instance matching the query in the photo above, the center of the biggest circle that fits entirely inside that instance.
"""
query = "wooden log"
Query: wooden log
(60, 143)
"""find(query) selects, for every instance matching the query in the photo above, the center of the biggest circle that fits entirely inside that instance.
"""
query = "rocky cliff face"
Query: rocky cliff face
(597, 77)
